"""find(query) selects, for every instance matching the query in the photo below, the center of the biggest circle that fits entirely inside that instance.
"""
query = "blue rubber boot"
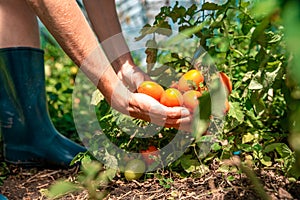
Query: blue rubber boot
(29, 137)
(3, 197)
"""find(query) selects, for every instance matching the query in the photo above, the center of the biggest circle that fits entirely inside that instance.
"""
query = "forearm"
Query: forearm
(67, 24)
(105, 22)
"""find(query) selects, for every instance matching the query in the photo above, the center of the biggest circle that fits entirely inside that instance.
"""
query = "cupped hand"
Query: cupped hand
(147, 108)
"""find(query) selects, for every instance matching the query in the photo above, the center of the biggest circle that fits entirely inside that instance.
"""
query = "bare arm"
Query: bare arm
(67, 24)
(105, 22)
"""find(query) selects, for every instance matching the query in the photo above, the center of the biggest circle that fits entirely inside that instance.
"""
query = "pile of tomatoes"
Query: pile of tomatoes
(185, 92)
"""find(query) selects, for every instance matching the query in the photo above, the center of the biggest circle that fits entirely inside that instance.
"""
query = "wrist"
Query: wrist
(123, 65)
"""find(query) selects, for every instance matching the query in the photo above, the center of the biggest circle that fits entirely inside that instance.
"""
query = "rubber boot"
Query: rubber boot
(29, 137)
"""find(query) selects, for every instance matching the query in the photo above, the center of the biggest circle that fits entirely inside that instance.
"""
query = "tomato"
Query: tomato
(190, 80)
(152, 89)
(171, 97)
(134, 169)
(149, 155)
(190, 99)
(227, 106)
(226, 81)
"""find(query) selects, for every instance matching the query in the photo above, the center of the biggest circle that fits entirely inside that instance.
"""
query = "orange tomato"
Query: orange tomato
(190, 80)
(190, 99)
(152, 89)
(226, 81)
(171, 97)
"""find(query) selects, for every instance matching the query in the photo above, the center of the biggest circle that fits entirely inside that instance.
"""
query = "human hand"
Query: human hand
(132, 76)
(147, 108)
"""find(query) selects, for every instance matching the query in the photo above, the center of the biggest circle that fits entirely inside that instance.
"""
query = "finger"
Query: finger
(181, 124)
(177, 112)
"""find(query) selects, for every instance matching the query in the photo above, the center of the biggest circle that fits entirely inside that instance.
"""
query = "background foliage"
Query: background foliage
(256, 44)
(245, 41)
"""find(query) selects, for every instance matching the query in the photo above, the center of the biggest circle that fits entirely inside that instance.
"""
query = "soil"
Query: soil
(31, 184)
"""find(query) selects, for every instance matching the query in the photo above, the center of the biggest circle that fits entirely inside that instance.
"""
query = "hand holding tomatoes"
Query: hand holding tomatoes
(185, 92)
(145, 107)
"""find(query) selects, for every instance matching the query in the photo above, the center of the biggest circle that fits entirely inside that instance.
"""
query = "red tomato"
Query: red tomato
(227, 106)
(226, 81)
(149, 155)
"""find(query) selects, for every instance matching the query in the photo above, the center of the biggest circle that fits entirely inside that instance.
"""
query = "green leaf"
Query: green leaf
(180, 11)
(202, 117)
(270, 77)
(230, 178)
(245, 147)
(272, 147)
(258, 33)
(236, 112)
(189, 164)
(255, 85)
(257, 147)
(258, 103)
(58, 86)
(186, 33)
(61, 188)
(205, 106)
(284, 151)
(191, 10)
(247, 138)
(216, 147)
(164, 28)
(107, 175)
(266, 160)
(146, 30)
(211, 6)
(90, 168)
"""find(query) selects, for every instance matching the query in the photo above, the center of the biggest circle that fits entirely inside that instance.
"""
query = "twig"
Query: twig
(124, 195)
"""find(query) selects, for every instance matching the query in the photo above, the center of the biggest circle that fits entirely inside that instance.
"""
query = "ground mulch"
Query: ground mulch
(31, 184)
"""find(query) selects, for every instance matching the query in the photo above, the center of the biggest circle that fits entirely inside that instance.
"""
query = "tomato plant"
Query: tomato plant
(247, 45)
